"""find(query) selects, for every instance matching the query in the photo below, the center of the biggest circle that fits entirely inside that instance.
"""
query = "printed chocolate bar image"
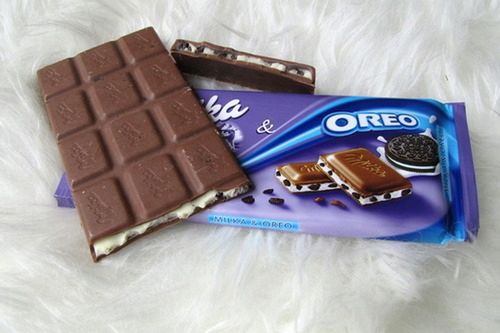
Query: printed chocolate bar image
(304, 177)
(246, 69)
(364, 176)
(139, 151)
(413, 152)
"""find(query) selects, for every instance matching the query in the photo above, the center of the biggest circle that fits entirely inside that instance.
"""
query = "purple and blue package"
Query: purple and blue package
(63, 194)
(430, 198)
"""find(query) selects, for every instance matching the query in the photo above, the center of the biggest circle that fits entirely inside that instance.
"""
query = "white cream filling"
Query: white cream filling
(362, 200)
(191, 47)
(208, 51)
(305, 188)
(106, 245)
(303, 72)
(409, 166)
(254, 60)
(279, 67)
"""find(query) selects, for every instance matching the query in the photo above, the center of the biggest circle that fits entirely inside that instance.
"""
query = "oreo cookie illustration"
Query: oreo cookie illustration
(413, 152)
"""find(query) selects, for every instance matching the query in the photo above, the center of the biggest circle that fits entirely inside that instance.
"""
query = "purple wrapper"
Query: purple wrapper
(270, 129)
(63, 194)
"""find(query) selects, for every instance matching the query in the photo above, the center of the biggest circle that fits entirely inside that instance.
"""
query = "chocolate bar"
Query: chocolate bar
(246, 69)
(139, 151)
(304, 177)
(364, 176)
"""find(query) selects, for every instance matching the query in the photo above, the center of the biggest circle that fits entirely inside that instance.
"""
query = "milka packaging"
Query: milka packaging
(269, 130)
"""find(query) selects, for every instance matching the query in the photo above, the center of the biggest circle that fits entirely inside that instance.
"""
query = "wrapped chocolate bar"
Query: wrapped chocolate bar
(398, 169)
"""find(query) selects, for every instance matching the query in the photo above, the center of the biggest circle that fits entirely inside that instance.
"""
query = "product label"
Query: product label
(254, 222)
(343, 123)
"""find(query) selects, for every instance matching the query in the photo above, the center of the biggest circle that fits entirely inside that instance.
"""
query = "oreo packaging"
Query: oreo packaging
(366, 167)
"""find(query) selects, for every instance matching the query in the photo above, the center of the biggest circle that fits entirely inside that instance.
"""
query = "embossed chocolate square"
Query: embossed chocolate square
(139, 151)
(365, 177)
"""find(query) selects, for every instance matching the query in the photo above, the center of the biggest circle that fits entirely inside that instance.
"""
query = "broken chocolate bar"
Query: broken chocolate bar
(304, 177)
(246, 69)
(140, 153)
(364, 176)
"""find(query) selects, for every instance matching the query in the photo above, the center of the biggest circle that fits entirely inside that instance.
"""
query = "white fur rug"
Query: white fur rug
(197, 278)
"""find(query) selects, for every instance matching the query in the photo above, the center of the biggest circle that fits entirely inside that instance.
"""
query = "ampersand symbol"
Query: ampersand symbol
(266, 127)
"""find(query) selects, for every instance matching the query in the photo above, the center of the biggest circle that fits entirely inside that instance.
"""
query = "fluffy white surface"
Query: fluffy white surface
(196, 278)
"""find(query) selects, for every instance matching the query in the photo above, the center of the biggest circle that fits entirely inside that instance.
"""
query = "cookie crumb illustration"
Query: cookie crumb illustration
(249, 199)
(276, 201)
(338, 203)
(319, 199)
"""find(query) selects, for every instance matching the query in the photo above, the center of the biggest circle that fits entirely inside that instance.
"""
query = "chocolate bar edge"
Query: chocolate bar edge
(221, 49)
(168, 223)
(195, 64)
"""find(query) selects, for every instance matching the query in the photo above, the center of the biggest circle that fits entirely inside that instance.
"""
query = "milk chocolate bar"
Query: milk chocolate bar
(139, 151)
(304, 177)
(246, 69)
(364, 176)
